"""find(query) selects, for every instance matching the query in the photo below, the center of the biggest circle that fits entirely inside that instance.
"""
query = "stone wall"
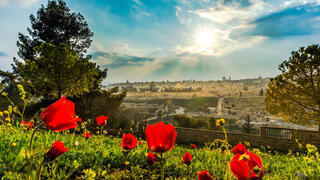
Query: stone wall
(284, 143)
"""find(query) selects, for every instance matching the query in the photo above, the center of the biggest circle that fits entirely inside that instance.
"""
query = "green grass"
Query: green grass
(102, 158)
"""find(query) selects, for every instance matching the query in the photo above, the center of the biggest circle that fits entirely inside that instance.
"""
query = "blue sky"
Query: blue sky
(145, 40)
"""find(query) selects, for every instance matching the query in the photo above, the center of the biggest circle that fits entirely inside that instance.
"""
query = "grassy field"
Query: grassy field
(102, 157)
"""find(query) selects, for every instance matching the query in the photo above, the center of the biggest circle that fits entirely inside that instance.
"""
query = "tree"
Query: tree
(55, 24)
(261, 92)
(159, 115)
(183, 121)
(57, 70)
(247, 126)
(295, 93)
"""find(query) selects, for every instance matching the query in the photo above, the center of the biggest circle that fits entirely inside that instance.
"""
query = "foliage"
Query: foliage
(102, 157)
(57, 35)
(247, 125)
(261, 92)
(188, 122)
(294, 94)
(57, 70)
(55, 24)
(102, 102)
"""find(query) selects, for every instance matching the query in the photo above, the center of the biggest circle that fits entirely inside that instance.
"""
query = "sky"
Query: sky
(159, 40)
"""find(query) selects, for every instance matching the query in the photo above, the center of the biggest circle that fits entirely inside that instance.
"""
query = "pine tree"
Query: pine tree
(247, 126)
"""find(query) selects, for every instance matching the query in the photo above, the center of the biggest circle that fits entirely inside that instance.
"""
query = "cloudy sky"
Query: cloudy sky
(144, 40)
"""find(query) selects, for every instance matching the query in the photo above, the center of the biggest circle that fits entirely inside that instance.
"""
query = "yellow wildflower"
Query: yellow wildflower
(220, 122)
(244, 156)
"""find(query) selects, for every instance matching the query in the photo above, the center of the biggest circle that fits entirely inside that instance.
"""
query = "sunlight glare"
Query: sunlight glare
(204, 37)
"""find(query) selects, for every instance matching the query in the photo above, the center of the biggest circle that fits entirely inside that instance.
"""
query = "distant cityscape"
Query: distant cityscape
(234, 100)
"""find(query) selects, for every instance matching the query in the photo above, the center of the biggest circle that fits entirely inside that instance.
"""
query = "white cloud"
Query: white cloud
(316, 22)
(139, 11)
(181, 16)
(24, 3)
(117, 47)
(4, 3)
(27, 2)
(229, 22)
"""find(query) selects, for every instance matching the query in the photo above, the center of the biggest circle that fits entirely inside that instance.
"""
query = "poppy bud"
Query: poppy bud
(187, 158)
(56, 150)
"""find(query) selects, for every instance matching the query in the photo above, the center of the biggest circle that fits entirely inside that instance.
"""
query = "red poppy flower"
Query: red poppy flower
(204, 175)
(151, 158)
(28, 125)
(86, 135)
(193, 146)
(56, 150)
(128, 142)
(60, 115)
(239, 149)
(240, 168)
(140, 142)
(102, 120)
(160, 137)
(187, 158)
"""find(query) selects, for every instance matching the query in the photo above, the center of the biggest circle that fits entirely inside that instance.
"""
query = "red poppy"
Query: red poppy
(102, 120)
(160, 137)
(187, 158)
(86, 135)
(140, 142)
(151, 158)
(60, 115)
(193, 146)
(239, 149)
(56, 150)
(28, 125)
(204, 175)
(128, 142)
(240, 168)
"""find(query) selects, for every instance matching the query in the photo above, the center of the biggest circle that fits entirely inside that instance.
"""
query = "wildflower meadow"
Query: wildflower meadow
(58, 146)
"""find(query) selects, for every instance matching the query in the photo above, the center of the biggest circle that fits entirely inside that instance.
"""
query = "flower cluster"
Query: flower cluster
(160, 138)
(245, 164)
(27, 125)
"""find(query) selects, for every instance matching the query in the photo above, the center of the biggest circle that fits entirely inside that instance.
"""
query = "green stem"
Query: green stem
(189, 172)
(24, 108)
(74, 131)
(34, 132)
(40, 170)
(101, 130)
(162, 168)
(225, 137)
(12, 103)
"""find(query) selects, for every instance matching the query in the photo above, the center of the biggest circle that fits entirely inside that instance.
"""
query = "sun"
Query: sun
(204, 38)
